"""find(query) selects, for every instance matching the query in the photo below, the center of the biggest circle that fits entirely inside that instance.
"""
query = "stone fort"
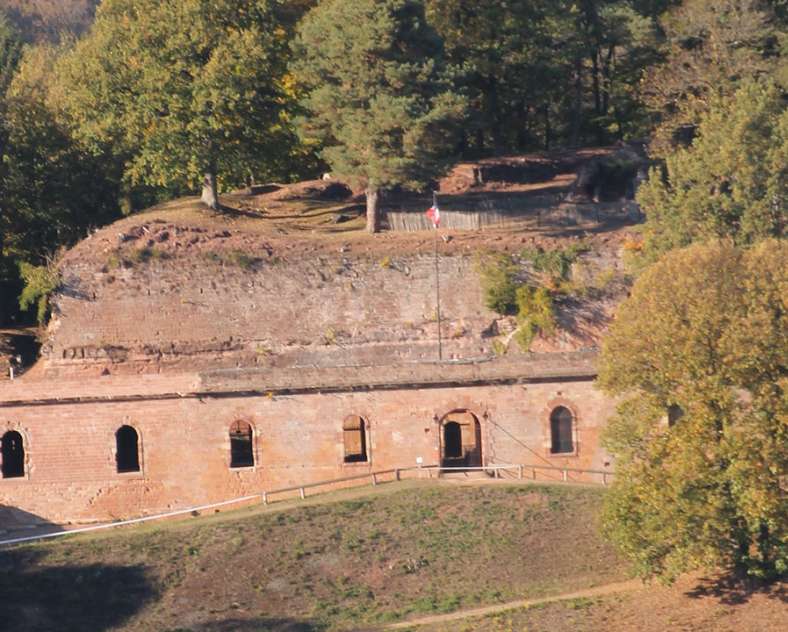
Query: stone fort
(178, 372)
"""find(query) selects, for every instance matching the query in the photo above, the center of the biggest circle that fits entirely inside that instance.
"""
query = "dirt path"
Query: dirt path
(599, 591)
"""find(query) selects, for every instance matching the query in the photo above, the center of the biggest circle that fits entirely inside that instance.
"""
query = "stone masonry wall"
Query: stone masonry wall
(187, 313)
(184, 443)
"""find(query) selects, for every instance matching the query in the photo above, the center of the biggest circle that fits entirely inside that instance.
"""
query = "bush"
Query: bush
(499, 283)
(535, 314)
(555, 263)
(242, 260)
(145, 255)
(40, 282)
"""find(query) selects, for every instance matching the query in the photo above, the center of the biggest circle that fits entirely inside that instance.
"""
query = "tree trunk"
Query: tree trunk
(523, 133)
(595, 81)
(210, 197)
(607, 89)
(548, 132)
(577, 104)
(480, 140)
(373, 219)
(493, 107)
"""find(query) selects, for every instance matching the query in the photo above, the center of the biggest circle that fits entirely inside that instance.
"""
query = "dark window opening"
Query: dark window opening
(241, 447)
(452, 440)
(355, 438)
(13, 453)
(674, 414)
(127, 456)
(561, 431)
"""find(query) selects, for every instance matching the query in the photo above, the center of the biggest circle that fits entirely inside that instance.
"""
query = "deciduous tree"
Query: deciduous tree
(55, 188)
(189, 91)
(705, 329)
(10, 53)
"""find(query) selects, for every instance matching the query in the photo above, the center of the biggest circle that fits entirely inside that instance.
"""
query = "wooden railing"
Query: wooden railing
(374, 477)
(496, 470)
(522, 468)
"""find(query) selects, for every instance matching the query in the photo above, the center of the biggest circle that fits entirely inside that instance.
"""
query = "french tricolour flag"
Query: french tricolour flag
(434, 213)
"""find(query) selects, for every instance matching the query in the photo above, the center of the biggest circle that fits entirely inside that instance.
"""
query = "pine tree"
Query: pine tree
(731, 182)
(377, 93)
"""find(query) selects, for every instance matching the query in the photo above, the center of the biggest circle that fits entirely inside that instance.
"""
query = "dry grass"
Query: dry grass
(349, 564)
(694, 604)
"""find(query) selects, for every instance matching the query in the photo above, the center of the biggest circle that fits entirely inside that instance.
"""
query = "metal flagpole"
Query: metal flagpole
(437, 283)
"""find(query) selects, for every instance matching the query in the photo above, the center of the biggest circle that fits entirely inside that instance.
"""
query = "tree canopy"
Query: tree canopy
(731, 182)
(186, 90)
(160, 97)
(705, 330)
(712, 47)
(50, 20)
(378, 95)
(542, 74)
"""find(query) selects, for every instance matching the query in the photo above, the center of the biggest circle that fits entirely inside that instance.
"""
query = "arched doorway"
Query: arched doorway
(461, 440)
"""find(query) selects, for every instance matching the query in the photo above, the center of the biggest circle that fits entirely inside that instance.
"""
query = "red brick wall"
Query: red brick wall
(184, 443)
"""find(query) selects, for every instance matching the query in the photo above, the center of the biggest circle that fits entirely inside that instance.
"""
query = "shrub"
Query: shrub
(499, 283)
(242, 260)
(144, 255)
(555, 263)
(535, 314)
(498, 347)
(40, 282)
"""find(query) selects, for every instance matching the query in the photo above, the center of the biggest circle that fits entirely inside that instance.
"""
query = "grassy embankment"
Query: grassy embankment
(349, 560)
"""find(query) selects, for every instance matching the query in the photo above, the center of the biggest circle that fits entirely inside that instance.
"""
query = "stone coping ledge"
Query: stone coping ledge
(548, 367)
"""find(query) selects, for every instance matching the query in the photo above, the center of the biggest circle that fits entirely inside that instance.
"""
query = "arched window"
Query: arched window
(127, 454)
(13, 452)
(241, 447)
(355, 437)
(674, 414)
(561, 431)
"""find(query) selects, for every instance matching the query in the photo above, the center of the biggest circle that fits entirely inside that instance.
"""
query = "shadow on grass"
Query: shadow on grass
(42, 597)
(255, 625)
(731, 590)
(18, 523)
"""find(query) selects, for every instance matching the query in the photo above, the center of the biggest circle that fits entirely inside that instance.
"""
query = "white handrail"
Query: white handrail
(110, 525)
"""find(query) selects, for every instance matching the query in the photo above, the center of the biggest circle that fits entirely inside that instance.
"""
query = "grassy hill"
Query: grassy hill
(349, 560)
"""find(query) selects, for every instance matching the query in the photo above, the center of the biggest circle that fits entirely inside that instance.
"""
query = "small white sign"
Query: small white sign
(419, 460)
